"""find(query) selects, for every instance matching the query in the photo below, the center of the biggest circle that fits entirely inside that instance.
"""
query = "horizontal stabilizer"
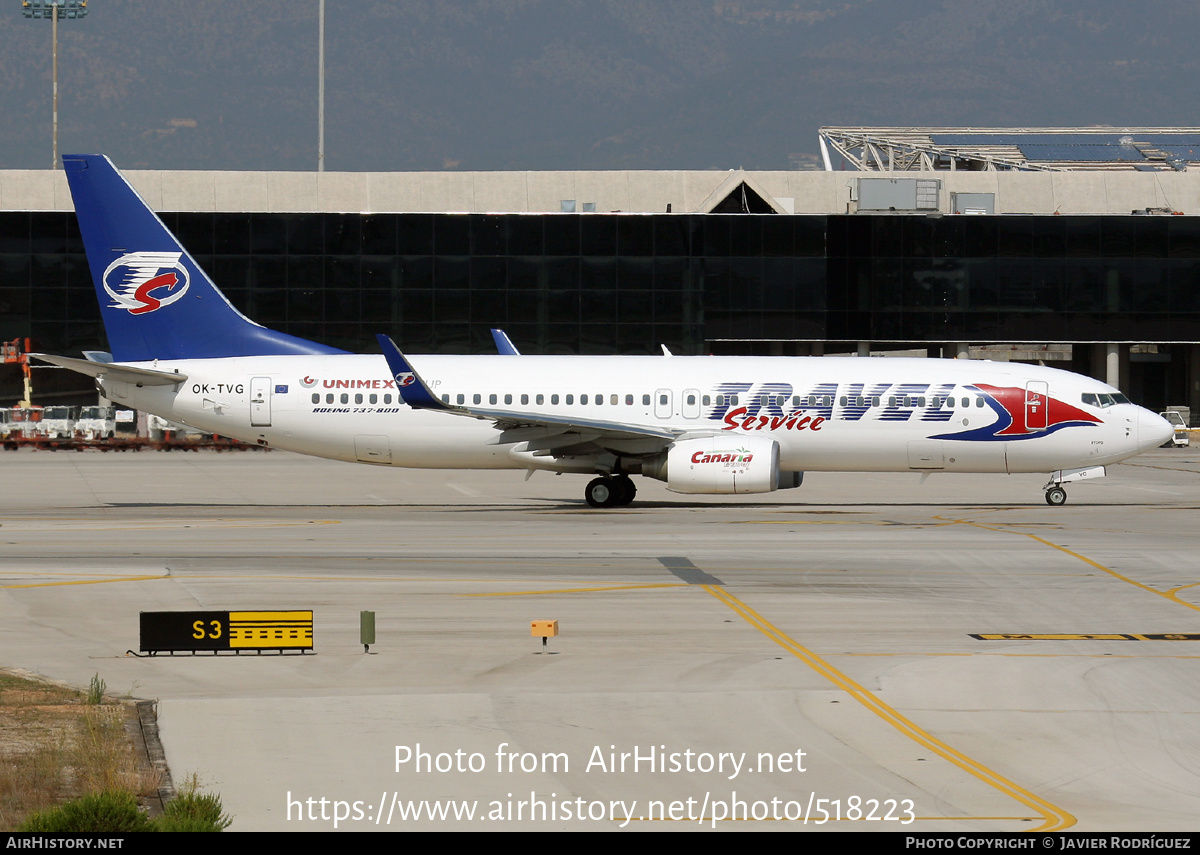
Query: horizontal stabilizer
(113, 371)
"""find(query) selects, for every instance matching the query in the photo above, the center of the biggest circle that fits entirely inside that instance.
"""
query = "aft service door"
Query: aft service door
(260, 402)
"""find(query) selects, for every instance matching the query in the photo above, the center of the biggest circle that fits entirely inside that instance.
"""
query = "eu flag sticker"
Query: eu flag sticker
(281, 389)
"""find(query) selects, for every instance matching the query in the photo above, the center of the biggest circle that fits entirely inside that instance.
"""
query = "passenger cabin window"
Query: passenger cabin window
(374, 399)
(541, 399)
(329, 398)
(358, 399)
(462, 399)
(508, 399)
(477, 398)
(629, 400)
(445, 399)
(525, 400)
(614, 399)
(554, 399)
(583, 399)
(645, 400)
(316, 398)
(570, 399)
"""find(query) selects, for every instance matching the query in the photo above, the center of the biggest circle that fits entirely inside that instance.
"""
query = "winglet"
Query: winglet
(412, 388)
(504, 345)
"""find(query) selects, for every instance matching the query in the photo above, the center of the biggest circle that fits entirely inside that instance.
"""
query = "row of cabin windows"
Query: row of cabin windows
(706, 400)
(345, 398)
(936, 402)
(539, 400)
(731, 400)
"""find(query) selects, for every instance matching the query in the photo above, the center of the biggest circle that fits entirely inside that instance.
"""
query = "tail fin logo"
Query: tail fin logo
(143, 282)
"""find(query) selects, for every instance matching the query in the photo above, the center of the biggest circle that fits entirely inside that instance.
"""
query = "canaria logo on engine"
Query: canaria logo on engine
(143, 282)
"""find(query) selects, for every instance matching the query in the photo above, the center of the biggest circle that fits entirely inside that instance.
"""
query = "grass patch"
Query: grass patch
(56, 744)
(95, 692)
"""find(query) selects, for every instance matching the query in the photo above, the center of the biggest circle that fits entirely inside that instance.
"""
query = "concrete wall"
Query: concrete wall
(628, 191)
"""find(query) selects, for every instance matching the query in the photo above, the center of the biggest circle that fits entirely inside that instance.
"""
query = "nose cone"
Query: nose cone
(1153, 430)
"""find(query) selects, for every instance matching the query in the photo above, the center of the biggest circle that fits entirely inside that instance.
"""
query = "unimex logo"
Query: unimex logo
(729, 458)
(1022, 414)
(136, 281)
(308, 382)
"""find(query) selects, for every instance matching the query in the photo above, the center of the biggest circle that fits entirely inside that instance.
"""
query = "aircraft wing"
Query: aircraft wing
(542, 432)
(121, 373)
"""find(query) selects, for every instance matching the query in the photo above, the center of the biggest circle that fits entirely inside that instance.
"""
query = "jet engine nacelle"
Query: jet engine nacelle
(721, 464)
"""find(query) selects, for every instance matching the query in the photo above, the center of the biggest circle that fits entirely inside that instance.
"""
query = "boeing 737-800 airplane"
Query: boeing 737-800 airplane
(701, 424)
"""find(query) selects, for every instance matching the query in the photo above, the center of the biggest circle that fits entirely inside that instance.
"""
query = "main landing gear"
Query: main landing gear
(610, 492)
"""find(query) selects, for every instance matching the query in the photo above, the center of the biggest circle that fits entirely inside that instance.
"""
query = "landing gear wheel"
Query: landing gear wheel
(625, 488)
(602, 493)
(1056, 496)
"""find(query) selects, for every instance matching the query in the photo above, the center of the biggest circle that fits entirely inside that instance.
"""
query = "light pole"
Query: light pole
(54, 9)
(321, 86)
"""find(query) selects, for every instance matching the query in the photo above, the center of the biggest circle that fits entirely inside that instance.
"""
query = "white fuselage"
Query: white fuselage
(826, 413)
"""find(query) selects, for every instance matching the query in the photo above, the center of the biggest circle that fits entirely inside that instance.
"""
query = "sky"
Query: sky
(561, 84)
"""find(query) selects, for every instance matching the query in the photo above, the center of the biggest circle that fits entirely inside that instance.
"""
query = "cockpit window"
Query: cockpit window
(1103, 399)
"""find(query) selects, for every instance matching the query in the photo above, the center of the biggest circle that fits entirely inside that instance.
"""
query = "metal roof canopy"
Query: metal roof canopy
(1031, 149)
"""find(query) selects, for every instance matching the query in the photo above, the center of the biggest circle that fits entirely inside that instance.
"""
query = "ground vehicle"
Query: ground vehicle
(24, 422)
(1180, 437)
(95, 423)
(58, 423)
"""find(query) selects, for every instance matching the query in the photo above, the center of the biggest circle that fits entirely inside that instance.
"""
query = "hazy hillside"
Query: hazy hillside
(557, 84)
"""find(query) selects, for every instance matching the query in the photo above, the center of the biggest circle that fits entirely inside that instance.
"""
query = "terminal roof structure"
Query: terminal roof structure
(1022, 149)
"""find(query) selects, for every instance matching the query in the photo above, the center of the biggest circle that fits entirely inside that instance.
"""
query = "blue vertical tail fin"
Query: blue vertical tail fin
(155, 300)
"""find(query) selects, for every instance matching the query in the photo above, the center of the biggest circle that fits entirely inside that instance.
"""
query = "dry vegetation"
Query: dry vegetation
(54, 745)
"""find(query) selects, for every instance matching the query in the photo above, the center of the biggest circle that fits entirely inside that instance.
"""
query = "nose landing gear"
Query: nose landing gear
(1056, 495)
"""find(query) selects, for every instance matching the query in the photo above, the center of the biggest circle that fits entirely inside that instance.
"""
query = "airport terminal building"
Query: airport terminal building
(1077, 248)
